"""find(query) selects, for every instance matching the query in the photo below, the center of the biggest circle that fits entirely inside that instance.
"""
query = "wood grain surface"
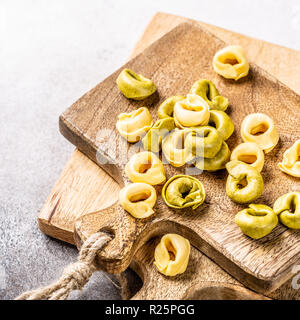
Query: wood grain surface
(262, 265)
(74, 196)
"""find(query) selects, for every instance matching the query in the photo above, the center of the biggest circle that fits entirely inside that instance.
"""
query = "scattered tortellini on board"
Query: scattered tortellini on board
(231, 63)
(145, 167)
(260, 129)
(135, 86)
(291, 160)
(138, 199)
(134, 125)
(171, 255)
(183, 191)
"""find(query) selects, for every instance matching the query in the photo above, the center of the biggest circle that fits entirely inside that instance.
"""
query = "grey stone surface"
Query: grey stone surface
(51, 53)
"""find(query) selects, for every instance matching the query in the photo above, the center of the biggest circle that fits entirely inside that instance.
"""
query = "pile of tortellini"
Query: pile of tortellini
(193, 129)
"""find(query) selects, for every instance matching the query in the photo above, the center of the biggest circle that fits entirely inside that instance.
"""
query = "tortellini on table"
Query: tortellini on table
(291, 160)
(208, 91)
(134, 125)
(171, 255)
(183, 191)
(287, 207)
(231, 63)
(166, 109)
(191, 112)
(257, 221)
(145, 167)
(260, 129)
(135, 86)
(138, 199)
(222, 122)
(250, 153)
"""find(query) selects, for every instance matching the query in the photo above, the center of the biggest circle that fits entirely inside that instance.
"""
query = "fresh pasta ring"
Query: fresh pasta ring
(207, 90)
(138, 199)
(231, 63)
(250, 153)
(145, 167)
(183, 191)
(134, 125)
(260, 129)
(191, 112)
(135, 86)
(174, 149)
(287, 207)
(291, 160)
(222, 122)
(171, 255)
(166, 109)
(216, 163)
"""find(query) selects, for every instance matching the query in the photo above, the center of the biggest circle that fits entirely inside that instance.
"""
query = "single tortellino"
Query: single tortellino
(171, 255)
(244, 183)
(231, 63)
(208, 91)
(138, 199)
(191, 112)
(135, 86)
(134, 125)
(153, 139)
(166, 109)
(260, 129)
(174, 149)
(257, 221)
(287, 207)
(204, 142)
(222, 122)
(145, 167)
(217, 163)
(182, 191)
(291, 160)
(250, 153)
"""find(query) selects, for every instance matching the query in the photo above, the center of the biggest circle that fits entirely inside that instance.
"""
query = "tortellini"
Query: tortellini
(291, 160)
(134, 125)
(222, 122)
(174, 149)
(257, 221)
(153, 139)
(138, 199)
(204, 142)
(217, 163)
(166, 109)
(171, 255)
(244, 183)
(287, 207)
(250, 153)
(135, 86)
(182, 191)
(208, 91)
(260, 129)
(191, 112)
(145, 167)
(231, 63)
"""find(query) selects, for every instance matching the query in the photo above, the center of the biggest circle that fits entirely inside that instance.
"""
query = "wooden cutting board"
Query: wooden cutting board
(84, 187)
(174, 63)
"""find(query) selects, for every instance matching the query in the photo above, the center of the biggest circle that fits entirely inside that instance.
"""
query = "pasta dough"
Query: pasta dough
(138, 199)
(250, 153)
(171, 255)
(191, 112)
(231, 63)
(134, 125)
(291, 160)
(260, 129)
(145, 167)
(174, 149)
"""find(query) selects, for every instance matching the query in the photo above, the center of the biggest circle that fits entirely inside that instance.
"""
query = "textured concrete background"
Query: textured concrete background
(51, 53)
